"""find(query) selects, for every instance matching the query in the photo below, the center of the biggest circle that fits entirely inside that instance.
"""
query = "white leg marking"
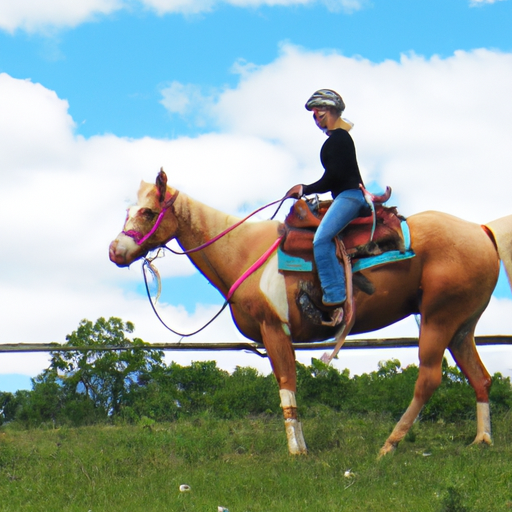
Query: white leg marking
(273, 286)
(287, 398)
(296, 443)
(483, 423)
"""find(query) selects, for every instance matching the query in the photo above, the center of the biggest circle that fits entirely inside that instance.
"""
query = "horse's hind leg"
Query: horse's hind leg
(282, 357)
(463, 350)
(431, 352)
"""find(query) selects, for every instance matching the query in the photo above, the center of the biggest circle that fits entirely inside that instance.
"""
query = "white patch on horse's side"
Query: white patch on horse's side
(273, 286)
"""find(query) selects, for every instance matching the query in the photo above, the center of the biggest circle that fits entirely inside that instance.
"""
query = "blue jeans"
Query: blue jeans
(347, 206)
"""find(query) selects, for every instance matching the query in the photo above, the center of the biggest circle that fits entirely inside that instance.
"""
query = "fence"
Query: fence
(250, 346)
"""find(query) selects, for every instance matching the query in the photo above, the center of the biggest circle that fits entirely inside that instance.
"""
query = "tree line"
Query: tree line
(133, 384)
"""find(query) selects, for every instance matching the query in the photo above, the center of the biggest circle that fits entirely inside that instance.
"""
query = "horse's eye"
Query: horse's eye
(147, 213)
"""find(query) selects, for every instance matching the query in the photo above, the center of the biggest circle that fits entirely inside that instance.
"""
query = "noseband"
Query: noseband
(138, 237)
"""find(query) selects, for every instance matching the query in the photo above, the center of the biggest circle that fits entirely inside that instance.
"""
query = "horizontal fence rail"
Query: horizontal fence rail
(251, 346)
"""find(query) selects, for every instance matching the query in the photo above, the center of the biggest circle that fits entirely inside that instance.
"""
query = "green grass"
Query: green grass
(244, 466)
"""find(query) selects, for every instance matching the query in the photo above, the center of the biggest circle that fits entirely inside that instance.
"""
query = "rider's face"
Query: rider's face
(320, 115)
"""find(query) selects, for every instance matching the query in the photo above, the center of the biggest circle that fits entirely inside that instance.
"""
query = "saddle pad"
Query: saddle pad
(390, 256)
(292, 263)
(296, 264)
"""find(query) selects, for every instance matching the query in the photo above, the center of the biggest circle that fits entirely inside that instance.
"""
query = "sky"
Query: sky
(97, 95)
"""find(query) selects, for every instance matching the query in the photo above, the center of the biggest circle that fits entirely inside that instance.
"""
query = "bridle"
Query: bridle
(137, 236)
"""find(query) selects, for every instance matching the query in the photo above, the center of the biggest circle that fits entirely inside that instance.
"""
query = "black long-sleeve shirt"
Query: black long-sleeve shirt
(338, 157)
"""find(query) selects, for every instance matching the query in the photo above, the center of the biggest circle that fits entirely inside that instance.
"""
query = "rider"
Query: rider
(342, 178)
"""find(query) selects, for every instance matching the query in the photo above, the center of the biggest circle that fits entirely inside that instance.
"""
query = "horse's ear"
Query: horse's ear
(161, 184)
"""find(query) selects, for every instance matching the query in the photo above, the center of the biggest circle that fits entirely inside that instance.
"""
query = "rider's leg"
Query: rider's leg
(347, 206)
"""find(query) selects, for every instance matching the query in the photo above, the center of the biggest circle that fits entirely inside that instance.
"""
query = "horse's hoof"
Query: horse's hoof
(296, 443)
(387, 448)
(483, 438)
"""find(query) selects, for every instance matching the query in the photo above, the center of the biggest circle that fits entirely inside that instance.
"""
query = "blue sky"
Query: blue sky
(112, 70)
(98, 94)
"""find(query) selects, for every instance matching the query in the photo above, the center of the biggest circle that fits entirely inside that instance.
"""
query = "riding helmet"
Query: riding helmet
(325, 98)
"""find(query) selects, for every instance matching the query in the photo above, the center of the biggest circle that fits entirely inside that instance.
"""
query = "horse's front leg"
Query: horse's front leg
(280, 351)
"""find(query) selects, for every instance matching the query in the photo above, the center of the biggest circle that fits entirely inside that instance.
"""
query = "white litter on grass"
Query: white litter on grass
(349, 474)
(184, 488)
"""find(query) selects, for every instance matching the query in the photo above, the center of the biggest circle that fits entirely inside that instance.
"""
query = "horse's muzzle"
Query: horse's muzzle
(121, 251)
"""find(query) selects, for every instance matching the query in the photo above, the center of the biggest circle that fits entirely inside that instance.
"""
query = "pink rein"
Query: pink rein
(255, 266)
(225, 232)
(140, 239)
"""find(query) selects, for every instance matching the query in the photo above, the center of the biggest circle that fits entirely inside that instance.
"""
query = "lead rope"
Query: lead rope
(147, 263)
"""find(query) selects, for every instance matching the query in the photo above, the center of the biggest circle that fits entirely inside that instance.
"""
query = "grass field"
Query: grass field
(243, 465)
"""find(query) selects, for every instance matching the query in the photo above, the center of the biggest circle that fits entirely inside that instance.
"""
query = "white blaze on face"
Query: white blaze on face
(132, 211)
(123, 246)
(273, 286)
(128, 241)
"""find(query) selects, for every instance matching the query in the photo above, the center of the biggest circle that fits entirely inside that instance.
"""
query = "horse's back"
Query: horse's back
(441, 235)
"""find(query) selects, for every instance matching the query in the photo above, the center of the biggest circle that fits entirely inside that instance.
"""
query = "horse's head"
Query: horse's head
(149, 224)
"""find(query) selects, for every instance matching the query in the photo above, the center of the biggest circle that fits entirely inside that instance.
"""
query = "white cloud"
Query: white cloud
(347, 6)
(189, 101)
(199, 6)
(179, 6)
(477, 3)
(179, 98)
(37, 16)
(49, 16)
(33, 118)
(435, 129)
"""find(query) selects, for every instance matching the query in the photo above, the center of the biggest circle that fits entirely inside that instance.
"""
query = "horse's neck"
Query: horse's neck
(199, 223)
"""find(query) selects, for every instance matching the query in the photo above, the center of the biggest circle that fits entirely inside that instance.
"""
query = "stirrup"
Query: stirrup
(336, 318)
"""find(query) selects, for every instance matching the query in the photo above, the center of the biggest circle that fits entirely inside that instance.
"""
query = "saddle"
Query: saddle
(362, 238)
(379, 238)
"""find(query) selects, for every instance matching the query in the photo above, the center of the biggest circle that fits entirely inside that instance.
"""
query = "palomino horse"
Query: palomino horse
(449, 283)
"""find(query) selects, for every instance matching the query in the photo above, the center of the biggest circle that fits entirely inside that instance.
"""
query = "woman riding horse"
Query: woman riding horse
(343, 180)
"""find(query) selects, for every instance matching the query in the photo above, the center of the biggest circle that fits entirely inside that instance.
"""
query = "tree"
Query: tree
(321, 383)
(246, 392)
(195, 385)
(9, 403)
(99, 371)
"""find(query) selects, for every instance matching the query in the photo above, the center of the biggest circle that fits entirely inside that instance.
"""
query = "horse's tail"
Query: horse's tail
(501, 230)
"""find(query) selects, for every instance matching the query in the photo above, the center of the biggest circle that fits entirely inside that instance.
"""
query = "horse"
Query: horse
(448, 283)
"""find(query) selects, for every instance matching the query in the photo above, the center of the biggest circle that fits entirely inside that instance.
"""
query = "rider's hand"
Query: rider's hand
(296, 192)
